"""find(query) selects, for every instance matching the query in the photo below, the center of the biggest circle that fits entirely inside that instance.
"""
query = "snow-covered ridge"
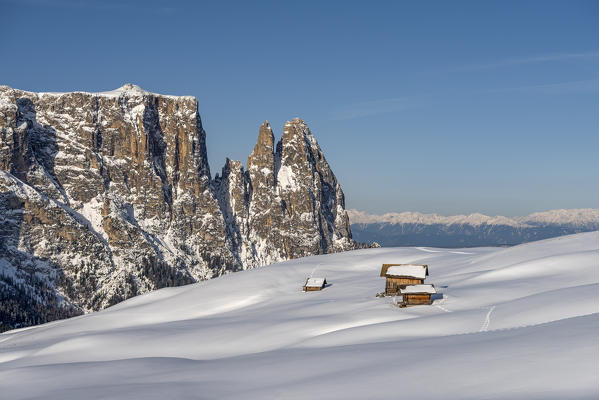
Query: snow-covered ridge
(576, 217)
(127, 90)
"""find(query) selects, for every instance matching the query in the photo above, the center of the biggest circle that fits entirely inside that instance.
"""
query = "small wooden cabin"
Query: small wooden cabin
(416, 294)
(398, 276)
(313, 284)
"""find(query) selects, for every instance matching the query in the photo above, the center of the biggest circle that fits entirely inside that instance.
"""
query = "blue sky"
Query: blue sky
(447, 107)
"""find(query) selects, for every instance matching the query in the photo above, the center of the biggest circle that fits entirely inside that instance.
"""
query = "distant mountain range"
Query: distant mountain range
(417, 229)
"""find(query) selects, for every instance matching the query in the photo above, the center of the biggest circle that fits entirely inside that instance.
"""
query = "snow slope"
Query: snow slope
(511, 323)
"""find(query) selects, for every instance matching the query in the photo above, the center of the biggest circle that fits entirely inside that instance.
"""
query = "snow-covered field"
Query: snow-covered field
(521, 322)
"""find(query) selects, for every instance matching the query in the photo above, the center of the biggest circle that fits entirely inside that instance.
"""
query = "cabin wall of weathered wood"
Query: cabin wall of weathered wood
(393, 284)
(311, 289)
(416, 298)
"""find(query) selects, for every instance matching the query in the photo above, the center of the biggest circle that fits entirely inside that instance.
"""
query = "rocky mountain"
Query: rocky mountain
(416, 229)
(104, 196)
(288, 204)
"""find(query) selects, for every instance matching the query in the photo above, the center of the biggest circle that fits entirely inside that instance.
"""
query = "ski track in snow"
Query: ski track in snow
(438, 303)
(442, 308)
(487, 322)
(428, 250)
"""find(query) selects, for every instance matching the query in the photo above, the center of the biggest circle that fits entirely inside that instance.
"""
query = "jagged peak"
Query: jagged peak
(228, 169)
(298, 131)
(265, 127)
(266, 140)
(299, 126)
(231, 165)
(295, 121)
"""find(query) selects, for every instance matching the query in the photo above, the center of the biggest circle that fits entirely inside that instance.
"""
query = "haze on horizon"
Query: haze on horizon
(448, 108)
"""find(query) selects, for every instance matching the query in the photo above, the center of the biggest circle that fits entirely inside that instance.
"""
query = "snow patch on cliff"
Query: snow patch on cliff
(286, 178)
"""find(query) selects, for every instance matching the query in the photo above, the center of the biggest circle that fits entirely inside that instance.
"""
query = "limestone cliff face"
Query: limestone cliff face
(311, 198)
(265, 206)
(288, 204)
(108, 195)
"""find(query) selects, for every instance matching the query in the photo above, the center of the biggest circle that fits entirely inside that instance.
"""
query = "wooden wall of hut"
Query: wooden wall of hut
(416, 298)
(311, 288)
(393, 284)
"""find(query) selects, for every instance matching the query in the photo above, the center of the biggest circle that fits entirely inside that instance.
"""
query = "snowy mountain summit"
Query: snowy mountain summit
(107, 195)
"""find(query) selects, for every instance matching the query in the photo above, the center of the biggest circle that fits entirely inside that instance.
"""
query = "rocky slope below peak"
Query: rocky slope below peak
(107, 195)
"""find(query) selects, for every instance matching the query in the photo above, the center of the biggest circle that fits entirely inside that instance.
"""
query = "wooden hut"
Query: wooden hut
(398, 276)
(416, 294)
(313, 284)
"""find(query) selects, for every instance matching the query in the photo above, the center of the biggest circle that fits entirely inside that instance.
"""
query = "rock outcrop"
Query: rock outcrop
(288, 204)
(104, 196)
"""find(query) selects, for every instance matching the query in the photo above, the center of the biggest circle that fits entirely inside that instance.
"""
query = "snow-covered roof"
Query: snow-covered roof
(409, 270)
(430, 289)
(315, 282)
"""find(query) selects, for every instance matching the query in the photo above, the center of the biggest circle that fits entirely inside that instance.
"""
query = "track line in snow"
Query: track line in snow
(5, 339)
(428, 250)
(487, 322)
(442, 308)
(442, 301)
